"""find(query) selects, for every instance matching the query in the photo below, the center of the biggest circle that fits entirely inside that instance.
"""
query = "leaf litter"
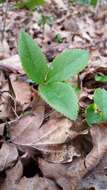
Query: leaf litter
(67, 155)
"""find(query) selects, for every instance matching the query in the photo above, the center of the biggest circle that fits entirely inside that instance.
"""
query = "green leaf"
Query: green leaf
(93, 2)
(61, 97)
(2, 1)
(33, 60)
(67, 64)
(85, 2)
(100, 99)
(92, 116)
(29, 4)
(101, 78)
(58, 38)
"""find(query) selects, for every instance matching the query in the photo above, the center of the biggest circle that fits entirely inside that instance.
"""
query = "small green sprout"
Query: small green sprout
(97, 112)
(45, 19)
(58, 38)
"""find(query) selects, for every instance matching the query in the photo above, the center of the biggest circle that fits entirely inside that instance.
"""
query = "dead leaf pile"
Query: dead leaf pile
(39, 148)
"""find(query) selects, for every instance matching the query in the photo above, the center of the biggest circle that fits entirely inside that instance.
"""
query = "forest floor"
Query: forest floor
(39, 148)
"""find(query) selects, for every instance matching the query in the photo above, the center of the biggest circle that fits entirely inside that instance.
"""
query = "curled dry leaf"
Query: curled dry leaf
(8, 156)
(69, 176)
(99, 138)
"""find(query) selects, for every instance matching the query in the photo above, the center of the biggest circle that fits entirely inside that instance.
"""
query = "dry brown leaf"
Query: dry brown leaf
(97, 179)
(69, 176)
(2, 129)
(8, 106)
(51, 139)
(4, 97)
(99, 138)
(63, 153)
(13, 177)
(8, 156)
(12, 63)
(55, 131)
(28, 125)
(14, 180)
(4, 49)
(37, 183)
(22, 91)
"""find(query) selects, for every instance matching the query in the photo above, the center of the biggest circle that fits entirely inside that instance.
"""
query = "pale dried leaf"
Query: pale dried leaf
(55, 131)
(69, 176)
(51, 138)
(13, 177)
(99, 138)
(14, 180)
(8, 156)
(12, 63)
(22, 91)
(97, 179)
(4, 49)
(37, 183)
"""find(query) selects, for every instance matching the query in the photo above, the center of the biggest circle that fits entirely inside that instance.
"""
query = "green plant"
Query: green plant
(97, 112)
(85, 2)
(29, 4)
(45, 19)
(2, 1)
(101, 78)
(58, 38)
(51, 79)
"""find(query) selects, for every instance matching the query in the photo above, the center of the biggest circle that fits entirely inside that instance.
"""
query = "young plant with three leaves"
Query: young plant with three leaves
(51, 80)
